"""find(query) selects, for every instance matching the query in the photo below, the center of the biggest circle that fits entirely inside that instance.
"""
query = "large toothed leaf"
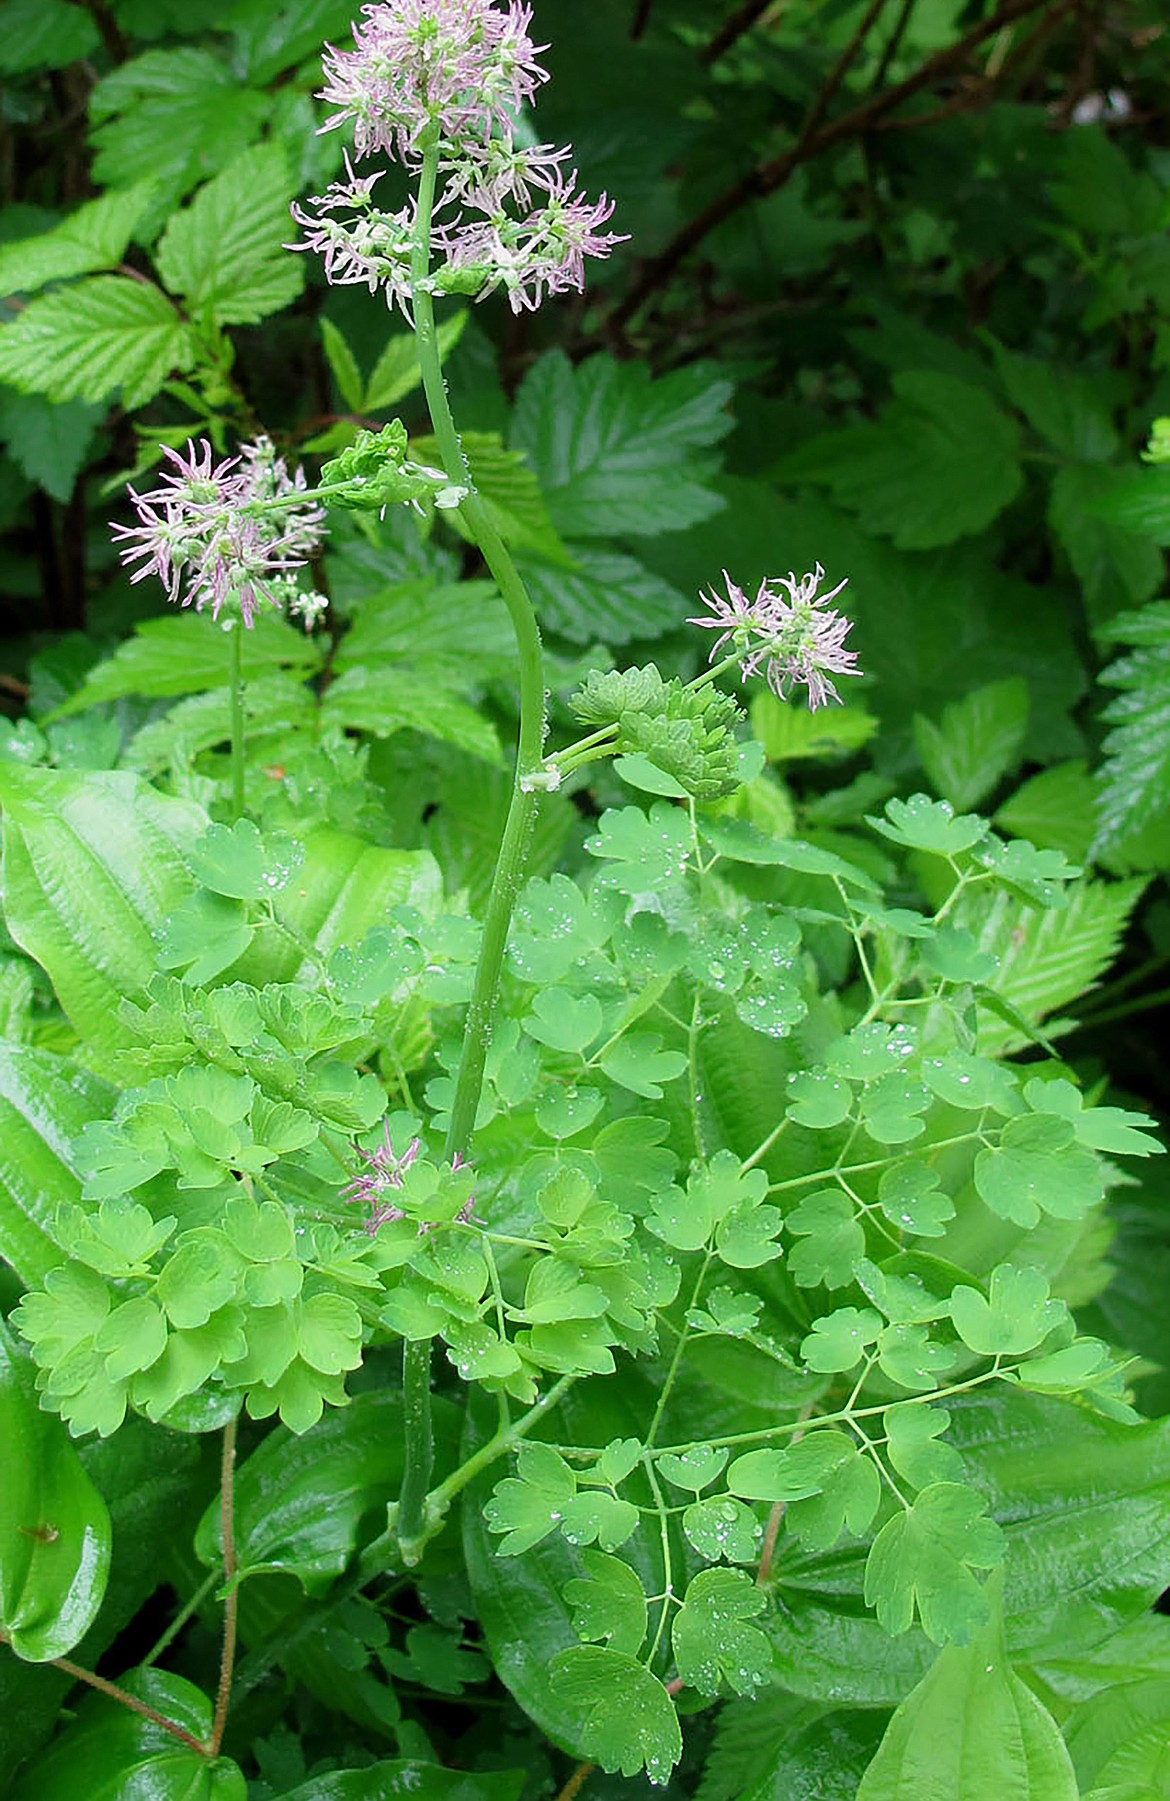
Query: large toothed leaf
(94, 237)
(102, 336)
(223, 253)
(617, 452)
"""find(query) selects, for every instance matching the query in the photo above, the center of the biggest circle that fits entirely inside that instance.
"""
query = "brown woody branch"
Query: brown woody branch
(739, 23)
(766, 177)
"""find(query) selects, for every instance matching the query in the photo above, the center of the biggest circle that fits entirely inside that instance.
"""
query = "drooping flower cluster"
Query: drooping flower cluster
(213, 531)
(454, 72)
(798, 640)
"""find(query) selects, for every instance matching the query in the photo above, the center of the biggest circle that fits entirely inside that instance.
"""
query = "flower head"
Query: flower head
(796, 640)
(211, 530)
(462, 67)
(383, 1178)
(449, 77)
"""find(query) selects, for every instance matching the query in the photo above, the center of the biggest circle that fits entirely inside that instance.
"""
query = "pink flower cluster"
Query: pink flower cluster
(795, 640)
(213, 531)
(384, 1178)
(454, 72)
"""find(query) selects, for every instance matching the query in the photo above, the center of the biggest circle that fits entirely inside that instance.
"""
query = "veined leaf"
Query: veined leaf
(54, 1527)
(605, 595)
(44, 1102)
(508, 489)
(48, 443)
(396, 372)
(382, 703)
(182, 653)
(618, 453)
(93, 867)
(1047, 957)
(975, 742)
(102, 335)
(94, 237)
(1134, 780)
(224, 252)
(971, 1731)
(44, 33)
(942, 461)
(171, 115)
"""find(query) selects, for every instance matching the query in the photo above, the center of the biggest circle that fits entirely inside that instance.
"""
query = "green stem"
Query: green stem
(236, 693)
(412, 1518)
(522, 806)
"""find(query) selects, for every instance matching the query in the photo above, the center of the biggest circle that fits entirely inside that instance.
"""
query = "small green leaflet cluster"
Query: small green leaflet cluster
(897, 1126)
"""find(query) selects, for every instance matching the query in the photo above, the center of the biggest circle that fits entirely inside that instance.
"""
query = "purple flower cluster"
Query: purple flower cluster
(384, 1178)
(461, 65)
(212, 531)
(795, 640)
(455, 72)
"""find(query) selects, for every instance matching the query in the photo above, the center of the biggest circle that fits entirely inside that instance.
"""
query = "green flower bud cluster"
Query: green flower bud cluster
(688, 732)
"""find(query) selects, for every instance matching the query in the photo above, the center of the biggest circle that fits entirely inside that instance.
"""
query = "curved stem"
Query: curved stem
(524, 800)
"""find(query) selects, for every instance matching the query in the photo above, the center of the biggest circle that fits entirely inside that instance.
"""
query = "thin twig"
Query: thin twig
(837, 74)
(127, 1700)
(576, 1781)
(766, 177)
(231, 1606)
(892, 45)
(733, 28)
(641, 19)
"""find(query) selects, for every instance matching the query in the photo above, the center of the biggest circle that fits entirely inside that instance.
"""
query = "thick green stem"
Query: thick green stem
(418, 1513)
(522, 806)
(412, 1517)
(236, 692)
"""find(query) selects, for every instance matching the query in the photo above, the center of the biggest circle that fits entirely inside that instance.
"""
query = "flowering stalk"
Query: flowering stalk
(411, 1518)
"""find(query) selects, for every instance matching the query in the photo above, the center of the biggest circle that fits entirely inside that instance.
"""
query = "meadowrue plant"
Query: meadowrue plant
(678, 1227)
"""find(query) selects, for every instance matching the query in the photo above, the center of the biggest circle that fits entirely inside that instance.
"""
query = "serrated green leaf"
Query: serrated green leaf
(92, 238)
(105, 335)
(975, 742)
(223, 253)
(1047, 959)
(628, 1721)
(172, 115)
(1056, 809)
(602, 594)
(44, 33)
(50, 444)
(1134, 779)
(381, 703)
(616, 452)
(940, 462)
(182, 653)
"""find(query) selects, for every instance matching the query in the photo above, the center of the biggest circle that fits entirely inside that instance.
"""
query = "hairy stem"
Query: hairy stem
(231, 1605)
